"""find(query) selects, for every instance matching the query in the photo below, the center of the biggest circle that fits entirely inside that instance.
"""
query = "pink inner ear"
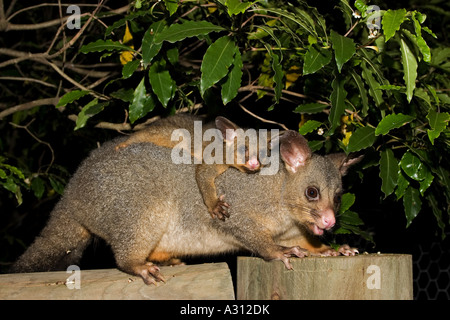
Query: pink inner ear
(294, 149)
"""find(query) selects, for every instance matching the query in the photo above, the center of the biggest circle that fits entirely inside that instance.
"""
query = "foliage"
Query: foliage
(358, 80)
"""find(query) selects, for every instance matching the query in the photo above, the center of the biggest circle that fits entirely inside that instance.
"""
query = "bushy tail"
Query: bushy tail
(60, 244)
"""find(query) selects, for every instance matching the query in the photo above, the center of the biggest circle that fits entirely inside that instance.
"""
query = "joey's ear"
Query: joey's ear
(223, 124)
(294, 150)
(344, 162)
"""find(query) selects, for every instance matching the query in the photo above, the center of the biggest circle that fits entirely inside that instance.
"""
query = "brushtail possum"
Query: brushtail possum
(148, 208)
(245, 158)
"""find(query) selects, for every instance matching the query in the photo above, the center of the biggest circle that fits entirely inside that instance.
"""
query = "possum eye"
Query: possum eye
(312, 193)
(337, 199)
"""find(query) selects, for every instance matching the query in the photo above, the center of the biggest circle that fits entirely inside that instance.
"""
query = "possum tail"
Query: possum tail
(60, 244)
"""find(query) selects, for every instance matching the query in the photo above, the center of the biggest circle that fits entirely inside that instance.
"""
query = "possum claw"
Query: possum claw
(220, 210)
(150, 273)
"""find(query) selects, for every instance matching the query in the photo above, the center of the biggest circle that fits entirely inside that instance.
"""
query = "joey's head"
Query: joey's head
(313, 185)
(243, 144)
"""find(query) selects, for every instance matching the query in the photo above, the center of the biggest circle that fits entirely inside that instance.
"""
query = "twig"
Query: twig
(38, 140)
(262, 119)
(28, 105)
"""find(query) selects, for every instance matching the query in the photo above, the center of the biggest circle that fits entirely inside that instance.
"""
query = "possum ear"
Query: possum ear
(344, 162)
(227, 128)
(294, 150)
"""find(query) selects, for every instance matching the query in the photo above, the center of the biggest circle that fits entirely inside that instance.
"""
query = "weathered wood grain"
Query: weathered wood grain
(183, 282)
(362, 277)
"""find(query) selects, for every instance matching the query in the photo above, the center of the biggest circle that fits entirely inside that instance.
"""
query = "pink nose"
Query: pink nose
(328, 219)
(253, 163)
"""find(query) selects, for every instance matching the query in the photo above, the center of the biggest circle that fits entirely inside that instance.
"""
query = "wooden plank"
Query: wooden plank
(194, 282)
(362, 277)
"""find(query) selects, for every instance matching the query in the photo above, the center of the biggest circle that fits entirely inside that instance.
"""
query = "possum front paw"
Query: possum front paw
(220, 209)
(284, 253)
(344, 250)
(149, 273)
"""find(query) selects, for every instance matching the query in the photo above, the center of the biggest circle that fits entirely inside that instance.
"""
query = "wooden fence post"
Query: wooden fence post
(362, 277)
(183, 282)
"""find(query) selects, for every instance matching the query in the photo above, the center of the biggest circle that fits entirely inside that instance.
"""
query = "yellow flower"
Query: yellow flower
(127, 56)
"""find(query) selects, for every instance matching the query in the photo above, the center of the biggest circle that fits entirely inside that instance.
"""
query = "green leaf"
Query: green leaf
(409, 68)
(71, 97)
(309, 126)
(188, 29)
(412, 204)
(344, 49)
(438, 121)
(236, 6)
(337, 103)
(233, 81)
(362, 138)
(350, 218)
(142, 103)
(392, 121)
(149, 48)
(104, 45)
(362, 7)
(123, 94)
(388, 172)
(310, 108)
(130, 68)
(218, 58)
(278, 76)
(88, 111)
(402, 184)
(377, 95)
(57, 184)
(348, 199)
(413, 166)
(171, 6)
(315, 60)
(38, 187)
(420, 41)
(362, 92)
(392, 19)
(161, 82)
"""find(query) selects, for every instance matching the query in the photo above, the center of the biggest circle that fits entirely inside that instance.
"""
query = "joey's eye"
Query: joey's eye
(312, 193)
(337, 199)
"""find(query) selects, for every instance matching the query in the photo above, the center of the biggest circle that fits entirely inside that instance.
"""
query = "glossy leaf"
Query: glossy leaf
(88, 111)
(188, 29)
(438, 121)
(130, 68)
(413, 166)
(337, 103)
(344, 49)
(71, 97)
(362, 138)
(388, 171)
(368, 77)
(309, 126)
(161, 82)
(392, 19)
(142, 103)
(278, 76)
(347, 200)
(216, 62)
(315, 59)
(409, 69)
(171, 6)
(412, 204)
(233, 81)
(104, 45)
(310, 108)
(149, 48)
(236, 6)
(392, 121)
